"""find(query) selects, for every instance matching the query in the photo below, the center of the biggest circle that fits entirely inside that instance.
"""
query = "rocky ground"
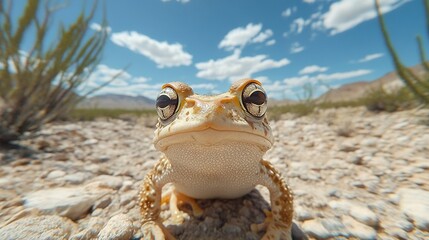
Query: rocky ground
(354, 174)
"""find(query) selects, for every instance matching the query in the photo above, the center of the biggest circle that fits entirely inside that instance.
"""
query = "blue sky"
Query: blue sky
(283, 43)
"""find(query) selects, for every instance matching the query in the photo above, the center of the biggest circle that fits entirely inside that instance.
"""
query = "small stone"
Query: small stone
(102, 203)
(73, 203)
(303, 214)
(347, 147)
(364, 215)
(90, 142)
(315, 228)
(404, 224)
(108, 181)
(359, 230)
(76, 178)
(119, 227)
(40, 227)
(369, 142)
(415, 204)
(229, 228)
(400, 125)
(397, 233)
(55, 174)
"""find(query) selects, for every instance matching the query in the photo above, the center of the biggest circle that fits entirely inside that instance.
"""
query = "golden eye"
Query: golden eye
(254, 100)
(167, 103)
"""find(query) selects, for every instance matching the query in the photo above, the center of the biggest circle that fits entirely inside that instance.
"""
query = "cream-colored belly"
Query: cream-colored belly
(227, 170)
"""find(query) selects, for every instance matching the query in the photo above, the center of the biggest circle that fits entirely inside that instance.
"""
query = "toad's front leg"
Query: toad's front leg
(280, 220)
(150, 201)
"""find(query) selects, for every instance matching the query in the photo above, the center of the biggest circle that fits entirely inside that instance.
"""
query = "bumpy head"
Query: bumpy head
(238, 115)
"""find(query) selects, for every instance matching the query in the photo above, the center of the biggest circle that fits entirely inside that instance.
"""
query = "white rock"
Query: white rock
(108, 181)
(364, 215)
(119, 227)
(340, 205)
(303, 214)
(40, 227)
(359, 230)
(315, 228)
(415, 204)
(55, 174)
(369, 142)
(73, 203)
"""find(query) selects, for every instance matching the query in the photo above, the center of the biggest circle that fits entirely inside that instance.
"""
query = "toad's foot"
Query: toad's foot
(257, 227)
(155, 231)
(272, 231)
(175, 198)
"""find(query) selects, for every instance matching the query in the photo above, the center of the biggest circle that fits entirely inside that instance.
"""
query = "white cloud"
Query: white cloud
(236, 67)
(104, 74)
(271, 42)
(346, 14)
(163, 54)
(301, 80)
(297, 25)
(289, 11)
(309, 1)
(97, 27)
(296, 47)
(262, 36)
(312, 69)
(239, 37)
(370, 57)
(124, 83)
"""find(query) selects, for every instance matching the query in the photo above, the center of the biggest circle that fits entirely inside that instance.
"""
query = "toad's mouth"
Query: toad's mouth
(210, 136)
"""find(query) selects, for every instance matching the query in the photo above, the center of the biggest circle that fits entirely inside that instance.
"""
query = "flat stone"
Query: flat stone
(303, 214)
(108, 181)
(55, 174)
(364, 215)
(73, 203)
(118, 227)
(315, 228)
(415, 204)
(40, 227)
(359, 230)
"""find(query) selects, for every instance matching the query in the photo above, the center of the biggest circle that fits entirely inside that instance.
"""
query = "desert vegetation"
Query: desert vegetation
(39, 84)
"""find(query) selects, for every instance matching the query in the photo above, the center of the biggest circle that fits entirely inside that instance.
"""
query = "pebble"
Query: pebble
(364, 215)
(359, 230)
(39, 227)
(73, 203)
(315, 228)
(119, 227)
(415, 204)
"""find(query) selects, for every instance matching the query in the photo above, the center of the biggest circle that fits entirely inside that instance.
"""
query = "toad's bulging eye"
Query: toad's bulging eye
(167, 103)
(254, 100)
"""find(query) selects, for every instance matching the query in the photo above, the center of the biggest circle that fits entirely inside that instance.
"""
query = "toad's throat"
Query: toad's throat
(211, 137)
(204, 171)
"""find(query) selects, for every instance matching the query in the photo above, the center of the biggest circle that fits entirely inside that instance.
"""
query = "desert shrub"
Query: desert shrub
(38, 84)
(378, 99)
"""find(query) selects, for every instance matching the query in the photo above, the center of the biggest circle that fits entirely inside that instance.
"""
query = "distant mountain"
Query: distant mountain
(117, 101)
(355, 90)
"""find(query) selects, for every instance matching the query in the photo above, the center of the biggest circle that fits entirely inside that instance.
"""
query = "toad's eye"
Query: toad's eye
(167, 103)
(254, 100)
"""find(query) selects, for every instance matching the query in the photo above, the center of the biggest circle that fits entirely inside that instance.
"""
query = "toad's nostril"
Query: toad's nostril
(190, 103)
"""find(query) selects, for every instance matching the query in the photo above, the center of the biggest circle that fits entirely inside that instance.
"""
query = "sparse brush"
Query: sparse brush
(378, 99)
(38, 84)
(344, 129)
